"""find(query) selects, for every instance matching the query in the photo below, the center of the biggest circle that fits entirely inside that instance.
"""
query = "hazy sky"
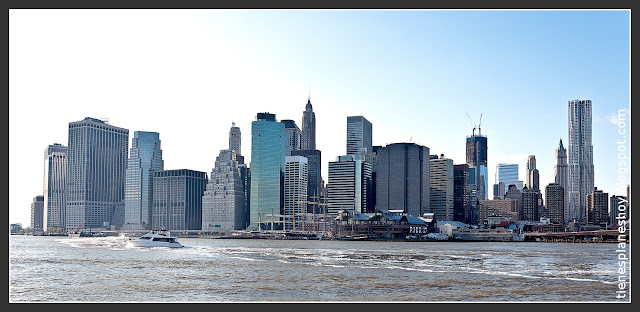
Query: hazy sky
(415, 74)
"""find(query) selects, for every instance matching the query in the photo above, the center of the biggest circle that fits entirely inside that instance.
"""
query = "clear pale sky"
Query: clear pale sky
(415, 74)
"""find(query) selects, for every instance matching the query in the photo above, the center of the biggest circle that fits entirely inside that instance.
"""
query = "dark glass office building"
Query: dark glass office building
(402, 178)
(177, 199)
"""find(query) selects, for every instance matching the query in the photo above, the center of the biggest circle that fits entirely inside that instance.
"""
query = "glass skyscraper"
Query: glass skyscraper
(508, 174)
(97, 162)
(55, 186)
(177, 199)
(358, 135)
(268, 146)
(403, 178)
(477, 158)
(145, 159)
(580, 159)
(293, 135)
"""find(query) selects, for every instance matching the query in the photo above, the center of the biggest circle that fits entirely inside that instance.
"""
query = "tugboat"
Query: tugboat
(156, 238)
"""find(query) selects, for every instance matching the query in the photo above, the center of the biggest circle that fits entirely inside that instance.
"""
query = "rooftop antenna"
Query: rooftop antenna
(309, 93)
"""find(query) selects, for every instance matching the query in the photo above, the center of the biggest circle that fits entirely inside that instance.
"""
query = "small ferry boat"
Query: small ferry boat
(155, 238)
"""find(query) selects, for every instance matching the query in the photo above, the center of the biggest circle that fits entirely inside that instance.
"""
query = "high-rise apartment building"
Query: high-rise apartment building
(37, 213)
(403, 178)
(96, 167)
(295, 191)
(177, 199)
(349, 186)
(580, 158)
(55, 186)
(618, 209)
(223, 202)
(308, 140)
(145, 158)
(598, 208)
(530, 204)
(555, 209)
(268, 146)
(461, 193)
(293, 135)
(314, 177)
(358, 135)
(441, 187)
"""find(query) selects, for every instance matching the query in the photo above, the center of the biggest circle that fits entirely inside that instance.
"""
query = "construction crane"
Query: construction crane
(474, 126)
(480, 132)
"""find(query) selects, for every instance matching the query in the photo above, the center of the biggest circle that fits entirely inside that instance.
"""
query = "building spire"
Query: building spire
(309, 99)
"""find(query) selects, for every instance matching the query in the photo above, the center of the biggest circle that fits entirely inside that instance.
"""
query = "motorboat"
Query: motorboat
(156, 238)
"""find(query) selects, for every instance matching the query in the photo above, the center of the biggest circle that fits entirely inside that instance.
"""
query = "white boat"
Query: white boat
(156, 238)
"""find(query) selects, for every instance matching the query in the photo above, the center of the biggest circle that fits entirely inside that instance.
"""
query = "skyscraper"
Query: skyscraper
(223, 202)
(580, 158)
(358, 135)
(308, 140)
(293, 135)
(349, 186)
(97, 162)
(235, 139)
(554, 194)
(476, 147)
(598, 208)
(295, 191)
(145, 159)
(441, 187)
(314, 178)
(37, 213)
(508, 174)
(461, 193)
(268, 146)
(618, 209)
(561, 172)
(55, 186)
(177, 199)
(402, 178)
(533, 177)
(530, 204)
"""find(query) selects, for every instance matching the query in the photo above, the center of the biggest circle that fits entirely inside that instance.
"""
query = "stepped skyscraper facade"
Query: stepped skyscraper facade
(223, 202)
(97, 163)
(580, 159)
(144, 160)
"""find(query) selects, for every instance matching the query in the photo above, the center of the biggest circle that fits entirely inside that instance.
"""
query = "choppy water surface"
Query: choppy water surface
(64, 269)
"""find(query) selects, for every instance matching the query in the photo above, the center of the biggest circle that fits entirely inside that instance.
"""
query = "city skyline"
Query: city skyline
(402, 70)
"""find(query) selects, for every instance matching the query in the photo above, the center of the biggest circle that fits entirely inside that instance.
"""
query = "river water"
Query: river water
(104, 269)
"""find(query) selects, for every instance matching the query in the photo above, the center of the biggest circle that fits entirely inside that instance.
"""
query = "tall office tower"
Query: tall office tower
(235, 139)
(618, 209)
(461, 193)
(314, 179)
(358, 135)
(55, 186)
(580, 158)
(223, 202)
(268, 146)
(177, 199)
(374, 163)
(598, 208)
(97, 163)
(508, 174)
(499, 190)
(144, 160)
(245, 177)
(308, 140)
(533, 177)
(402, 178)
(349, 185)
(476, 147)
(295, 191)
(561, 172)
(441, 187)
(293, 134)
(37, 213)
(554, 194)
(530, 204)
